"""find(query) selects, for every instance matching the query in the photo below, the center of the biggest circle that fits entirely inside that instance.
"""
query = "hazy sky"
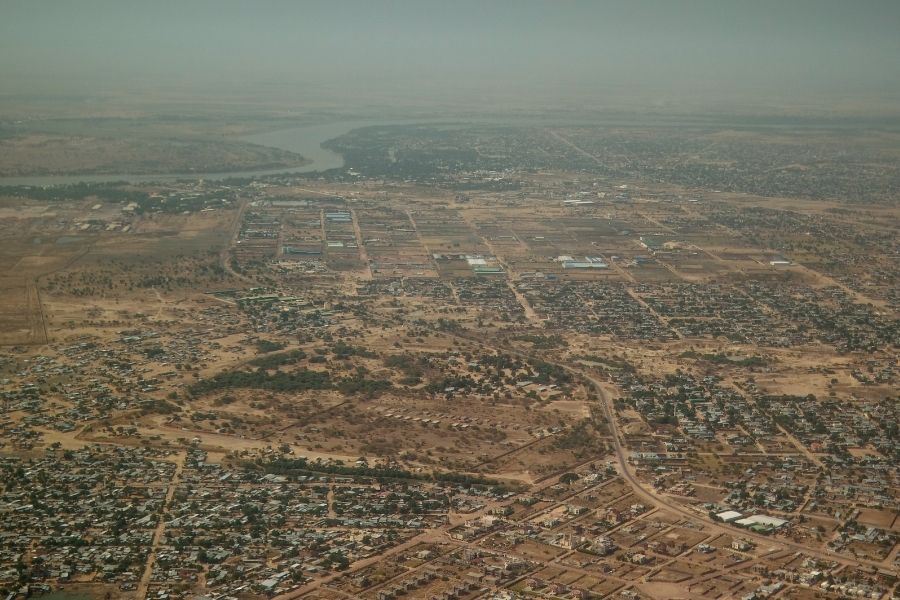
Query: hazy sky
(664, 47)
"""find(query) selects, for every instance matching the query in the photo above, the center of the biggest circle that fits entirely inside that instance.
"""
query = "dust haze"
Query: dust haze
(457, 300)
(828, 56)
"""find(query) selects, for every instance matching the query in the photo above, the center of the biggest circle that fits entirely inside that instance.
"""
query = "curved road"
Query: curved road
(661, 501)
(628, 474)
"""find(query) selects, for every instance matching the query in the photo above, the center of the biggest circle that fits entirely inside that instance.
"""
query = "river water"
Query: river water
(305, 140)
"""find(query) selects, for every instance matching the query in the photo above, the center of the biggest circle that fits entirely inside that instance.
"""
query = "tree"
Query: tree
(568, 478)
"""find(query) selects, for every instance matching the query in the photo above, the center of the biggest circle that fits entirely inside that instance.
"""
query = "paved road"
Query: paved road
(628, 474)
(626, 471)
(661, 501)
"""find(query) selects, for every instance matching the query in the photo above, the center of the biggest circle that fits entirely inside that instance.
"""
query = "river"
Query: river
(305, 140)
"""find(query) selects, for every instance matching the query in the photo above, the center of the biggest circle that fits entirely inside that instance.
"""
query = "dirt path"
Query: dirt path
(529, 311)
(799, 445)
(622, 272)
(892, 556)
(37, 320)
(144, 584)
(412, 222)
(821, 278)
(432, 535)
(560, 138)
(656, 222)
(223, 441)
(826, 281)
(663, 320)
(512, 451)
(360, 243)
(332, 514)
(161, 301)
(225, 254)
(627, 472)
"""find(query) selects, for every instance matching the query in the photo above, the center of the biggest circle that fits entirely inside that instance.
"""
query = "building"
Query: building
(729, 516)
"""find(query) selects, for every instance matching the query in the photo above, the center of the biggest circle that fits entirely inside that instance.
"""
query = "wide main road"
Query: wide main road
(663, 502)
(648, 494)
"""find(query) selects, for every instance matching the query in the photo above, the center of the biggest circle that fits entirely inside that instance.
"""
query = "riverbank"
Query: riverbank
(305, 141)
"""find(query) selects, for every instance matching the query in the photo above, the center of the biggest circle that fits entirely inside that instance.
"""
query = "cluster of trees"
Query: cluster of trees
(579, 438)
(359, 384)
(119, 193)
(543, 342)
(411, 367)
(550, 373)
(154, 351)
(272, 361)
(296, 381)
(343, 350)
(269, 346)
(176, 205)
(460, 383)
(302, 466)
(722, 359)
(450, 325)
(111, 192)
(159, 407)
